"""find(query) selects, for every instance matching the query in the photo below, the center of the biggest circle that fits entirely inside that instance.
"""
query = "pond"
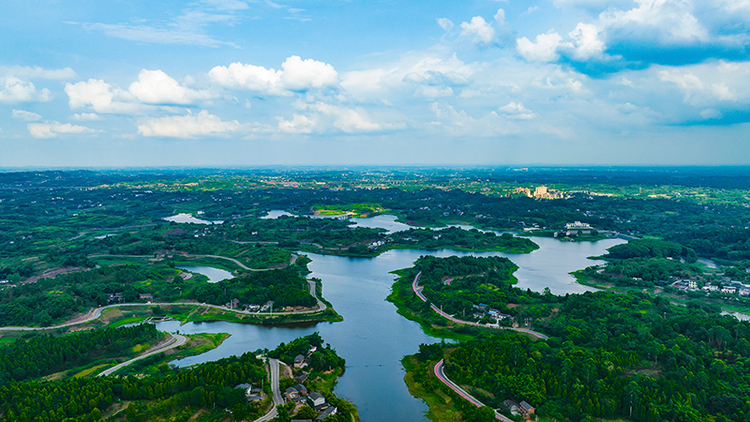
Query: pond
(214, 275)
(373, 337)
(187, 218)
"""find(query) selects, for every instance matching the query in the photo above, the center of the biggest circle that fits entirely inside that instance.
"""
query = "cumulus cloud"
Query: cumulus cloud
(36, 72)
(500, 16)
(15, 90)
(431, 91)
(587, 42)
(710, 83)
(323, 118)
(52, 129)
(516, 111)
(543, 50)
(295, 75)
(301, 75)
(438, 67)
(187, 126)
(710, 113)
(25, 116)
(101, 97)
(482, 31)
(666, 20)
(87, 117)
(445, 23)
(156, 87)
(460, 123)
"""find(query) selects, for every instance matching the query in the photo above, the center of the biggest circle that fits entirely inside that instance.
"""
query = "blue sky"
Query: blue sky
(241, 82)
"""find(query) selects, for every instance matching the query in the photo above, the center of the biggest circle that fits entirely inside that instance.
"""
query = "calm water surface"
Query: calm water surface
(187, 218)
(214, 275)
(373, 337)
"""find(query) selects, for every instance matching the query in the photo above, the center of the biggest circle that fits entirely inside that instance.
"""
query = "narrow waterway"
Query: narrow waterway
(373, 337)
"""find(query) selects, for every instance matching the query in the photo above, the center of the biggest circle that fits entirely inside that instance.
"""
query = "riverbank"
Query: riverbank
(726, 305)
(185, 312)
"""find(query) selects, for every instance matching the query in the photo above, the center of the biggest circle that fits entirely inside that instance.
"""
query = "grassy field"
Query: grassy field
(421, 380)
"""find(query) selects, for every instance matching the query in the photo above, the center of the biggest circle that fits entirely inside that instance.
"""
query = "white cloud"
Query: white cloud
(187, 126)
(710, 113)
(479, 29)
(711, 84)
(722, 92)
(156, 87)
(87, 117)
(296, 75)
(517, 111)
(543, 50)
(28, 72)
(299, 124)
(460, 123)
(431, 91)
(436, 67)
(52, 129)
(626, 82)
(301, 75)
(500, 16)
(15, 90)
(247, 76)
(587, 41)
(25, 116)
(668, 20)
(324, 118)
(101, 97)
(445, 23)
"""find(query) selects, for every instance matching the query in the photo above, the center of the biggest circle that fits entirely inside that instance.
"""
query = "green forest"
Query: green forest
(175, 395)
(610, 355)
(42, 355)
(49, 300)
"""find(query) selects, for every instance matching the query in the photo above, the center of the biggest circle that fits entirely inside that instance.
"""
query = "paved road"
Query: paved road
(440, 373)
(241, 265)
(418, 290)
(175, 340)
(273, 368)
(98, 312)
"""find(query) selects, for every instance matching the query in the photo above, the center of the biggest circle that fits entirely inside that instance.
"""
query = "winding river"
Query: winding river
(373, 337)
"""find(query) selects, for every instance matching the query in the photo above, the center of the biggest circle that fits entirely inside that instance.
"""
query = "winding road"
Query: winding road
(440, 373)
(96, 313)
(239, 264)
(175, 340)
(418, 291)
(273, 366)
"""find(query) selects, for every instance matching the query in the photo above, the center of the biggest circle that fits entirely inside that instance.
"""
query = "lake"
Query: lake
(373, 337)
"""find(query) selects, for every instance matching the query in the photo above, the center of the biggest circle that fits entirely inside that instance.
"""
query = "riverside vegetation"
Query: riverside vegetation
(70, 239)
(633, 356)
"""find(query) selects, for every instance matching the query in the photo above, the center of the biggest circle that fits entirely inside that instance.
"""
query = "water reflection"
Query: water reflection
(373, 337)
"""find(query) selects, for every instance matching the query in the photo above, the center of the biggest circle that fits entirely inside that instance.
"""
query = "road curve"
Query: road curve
(241, 265)
(440, 373)
(175, 340)
(273, 369)
(98, 312)
(418, 291)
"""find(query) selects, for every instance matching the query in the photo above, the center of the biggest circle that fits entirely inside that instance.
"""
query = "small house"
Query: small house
(301, 389)
(291, 394)
(526, 409)
(315, 399)
(146, 296)
(513, 406)
(326, 413)
(300, 362)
